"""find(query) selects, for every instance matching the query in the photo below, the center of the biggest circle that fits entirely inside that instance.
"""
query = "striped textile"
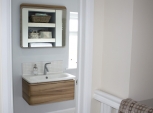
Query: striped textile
(131, 106)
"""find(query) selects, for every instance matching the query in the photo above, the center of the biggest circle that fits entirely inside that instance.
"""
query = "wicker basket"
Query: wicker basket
(40, 19)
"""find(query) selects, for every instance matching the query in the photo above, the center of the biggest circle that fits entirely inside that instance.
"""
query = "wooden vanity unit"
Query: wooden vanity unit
(38, 93)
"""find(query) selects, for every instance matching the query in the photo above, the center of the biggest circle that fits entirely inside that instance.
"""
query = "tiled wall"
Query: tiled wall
(54, 67)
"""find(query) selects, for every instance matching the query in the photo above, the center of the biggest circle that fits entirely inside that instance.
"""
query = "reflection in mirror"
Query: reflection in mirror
(43, 26)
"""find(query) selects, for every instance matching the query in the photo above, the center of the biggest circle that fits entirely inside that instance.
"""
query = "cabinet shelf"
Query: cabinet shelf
(41, 25)
(56, 24)
(41, 40)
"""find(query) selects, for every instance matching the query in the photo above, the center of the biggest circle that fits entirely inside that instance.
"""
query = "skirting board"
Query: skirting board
(71, 110)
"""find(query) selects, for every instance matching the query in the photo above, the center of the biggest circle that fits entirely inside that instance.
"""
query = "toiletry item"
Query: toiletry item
(34, 34)
(35, 70)
(45, 34)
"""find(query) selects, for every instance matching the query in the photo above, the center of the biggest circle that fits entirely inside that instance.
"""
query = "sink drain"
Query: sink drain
(46, 77)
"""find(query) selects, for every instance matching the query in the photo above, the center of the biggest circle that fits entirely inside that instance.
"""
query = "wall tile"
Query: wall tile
(54, 67)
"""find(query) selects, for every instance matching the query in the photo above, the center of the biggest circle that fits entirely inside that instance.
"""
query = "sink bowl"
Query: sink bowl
(48, 78)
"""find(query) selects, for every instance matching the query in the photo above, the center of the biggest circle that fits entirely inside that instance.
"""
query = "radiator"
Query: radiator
(109, 103)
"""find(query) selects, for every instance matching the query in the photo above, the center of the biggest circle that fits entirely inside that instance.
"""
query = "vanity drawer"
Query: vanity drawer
(48, 92)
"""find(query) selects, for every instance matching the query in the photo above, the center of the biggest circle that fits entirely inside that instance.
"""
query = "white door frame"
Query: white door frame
(84, 57)
(6, 57)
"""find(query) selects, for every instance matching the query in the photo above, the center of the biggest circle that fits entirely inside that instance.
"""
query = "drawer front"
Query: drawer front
(33, 100)
(48, 92)
(52, 87)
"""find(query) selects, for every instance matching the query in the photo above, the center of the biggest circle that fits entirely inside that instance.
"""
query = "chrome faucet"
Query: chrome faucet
(45, 68)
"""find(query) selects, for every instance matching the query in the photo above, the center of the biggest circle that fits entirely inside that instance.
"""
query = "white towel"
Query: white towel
(40, 44)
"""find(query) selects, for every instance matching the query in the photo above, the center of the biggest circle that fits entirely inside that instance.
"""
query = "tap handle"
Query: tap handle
(46, 66)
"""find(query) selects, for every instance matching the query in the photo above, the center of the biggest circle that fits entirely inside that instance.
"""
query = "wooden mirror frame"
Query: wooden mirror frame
(57, 26)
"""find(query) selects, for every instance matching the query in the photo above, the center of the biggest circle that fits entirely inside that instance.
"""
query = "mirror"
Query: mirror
(42, 26)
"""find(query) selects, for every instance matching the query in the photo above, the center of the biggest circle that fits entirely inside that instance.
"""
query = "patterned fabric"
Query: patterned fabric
(131, 106)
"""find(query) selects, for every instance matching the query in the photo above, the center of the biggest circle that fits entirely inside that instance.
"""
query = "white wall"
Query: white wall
(123, 46)
(118, 15)
(34, 55)
(97, 51)
(0, 57)
(112, 48)
(141, 81)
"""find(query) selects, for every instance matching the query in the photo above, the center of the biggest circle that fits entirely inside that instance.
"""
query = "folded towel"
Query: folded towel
(131, 106)
(40, 44)
(40, 14)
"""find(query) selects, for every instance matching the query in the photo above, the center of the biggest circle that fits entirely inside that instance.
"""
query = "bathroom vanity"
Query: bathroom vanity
(51, 86)
(38, 93)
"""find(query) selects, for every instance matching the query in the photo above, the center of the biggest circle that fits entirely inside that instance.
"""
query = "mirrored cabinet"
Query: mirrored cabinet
(42, 25)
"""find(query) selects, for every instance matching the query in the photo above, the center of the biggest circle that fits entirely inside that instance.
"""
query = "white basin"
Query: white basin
(48, 78)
